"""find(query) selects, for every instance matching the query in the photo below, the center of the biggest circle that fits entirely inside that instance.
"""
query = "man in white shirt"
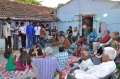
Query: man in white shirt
(22, 31)
(102, 70)
(86, 62)
(7, 33)
(37, 32)
(15, 36)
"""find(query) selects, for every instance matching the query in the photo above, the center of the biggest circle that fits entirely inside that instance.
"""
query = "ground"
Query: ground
(4, 61)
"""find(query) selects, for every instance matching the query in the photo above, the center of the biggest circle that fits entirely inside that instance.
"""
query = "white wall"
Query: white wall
(112, 20)
(94, 6)
(83, 7)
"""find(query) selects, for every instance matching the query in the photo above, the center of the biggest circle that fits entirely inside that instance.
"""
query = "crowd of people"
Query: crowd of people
(47, 66)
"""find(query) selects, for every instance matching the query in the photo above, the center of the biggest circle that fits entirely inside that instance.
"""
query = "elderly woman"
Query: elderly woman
(46, 67)
(104, 40)
(99, 71)
(111, 41)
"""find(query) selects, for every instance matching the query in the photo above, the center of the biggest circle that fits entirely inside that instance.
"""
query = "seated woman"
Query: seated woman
(73, 47)
(23, 60)
(110, 43)
(63, 41)
(79, 50)
(75, 34)
(53, 34)
(104, 40)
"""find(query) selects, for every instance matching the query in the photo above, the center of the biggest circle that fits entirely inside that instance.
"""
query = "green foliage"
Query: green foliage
(118, 66)
(60, 5)
(30, 1)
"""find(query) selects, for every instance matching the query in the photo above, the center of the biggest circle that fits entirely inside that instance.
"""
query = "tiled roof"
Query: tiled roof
(23, 11)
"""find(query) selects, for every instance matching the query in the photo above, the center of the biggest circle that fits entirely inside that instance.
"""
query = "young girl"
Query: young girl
(10, 66)
(73, 47)
(23, 61)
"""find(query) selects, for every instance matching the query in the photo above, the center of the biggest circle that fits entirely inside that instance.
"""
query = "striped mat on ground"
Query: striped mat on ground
(5, 74)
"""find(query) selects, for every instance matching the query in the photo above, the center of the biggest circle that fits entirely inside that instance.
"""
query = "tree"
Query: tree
(30, 1)
(60, 5)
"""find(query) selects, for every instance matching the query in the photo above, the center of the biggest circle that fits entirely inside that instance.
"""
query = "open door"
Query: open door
(87, 20)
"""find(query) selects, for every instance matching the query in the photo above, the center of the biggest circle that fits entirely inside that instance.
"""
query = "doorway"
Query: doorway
(87, 20)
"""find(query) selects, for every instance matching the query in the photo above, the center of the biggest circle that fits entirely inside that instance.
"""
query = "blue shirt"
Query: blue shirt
(92, 35)
(30, 30)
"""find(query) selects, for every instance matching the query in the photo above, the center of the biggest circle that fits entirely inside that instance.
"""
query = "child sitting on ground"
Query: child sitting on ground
(73, 47)
(10, 66)
(23, 60)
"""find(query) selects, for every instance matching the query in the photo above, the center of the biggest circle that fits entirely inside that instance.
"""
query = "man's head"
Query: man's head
(85, 55)
(37, 23)
(117, 40)
(75, 28)
(61, 49)
(49, 51)
(30, 22)
(70, 27)
(107, 32)
(9, 20)
(16, 23)
(109, 54)
(85, 48)
(22, 23)
(42, 26)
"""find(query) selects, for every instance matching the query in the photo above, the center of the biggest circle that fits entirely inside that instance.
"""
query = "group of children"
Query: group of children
(24, 60)
(76, 47)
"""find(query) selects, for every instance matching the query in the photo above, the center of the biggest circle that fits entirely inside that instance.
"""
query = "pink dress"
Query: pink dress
(20, 67)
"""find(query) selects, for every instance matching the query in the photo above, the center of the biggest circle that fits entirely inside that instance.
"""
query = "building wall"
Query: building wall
(71, 11)
(112, 20)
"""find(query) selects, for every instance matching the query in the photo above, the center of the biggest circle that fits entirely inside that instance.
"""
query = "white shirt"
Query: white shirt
(16, 28)
(22, 29)
(7, 30)
(97, 71)
(75, 33)
(85, 64)
(37, 30)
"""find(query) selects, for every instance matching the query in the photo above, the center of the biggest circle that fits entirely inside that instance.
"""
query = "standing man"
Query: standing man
(42, 35)
(37, 32)
(22, 31)
(7, 33)
(30, 33)
(15, 36)
(69, 32)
